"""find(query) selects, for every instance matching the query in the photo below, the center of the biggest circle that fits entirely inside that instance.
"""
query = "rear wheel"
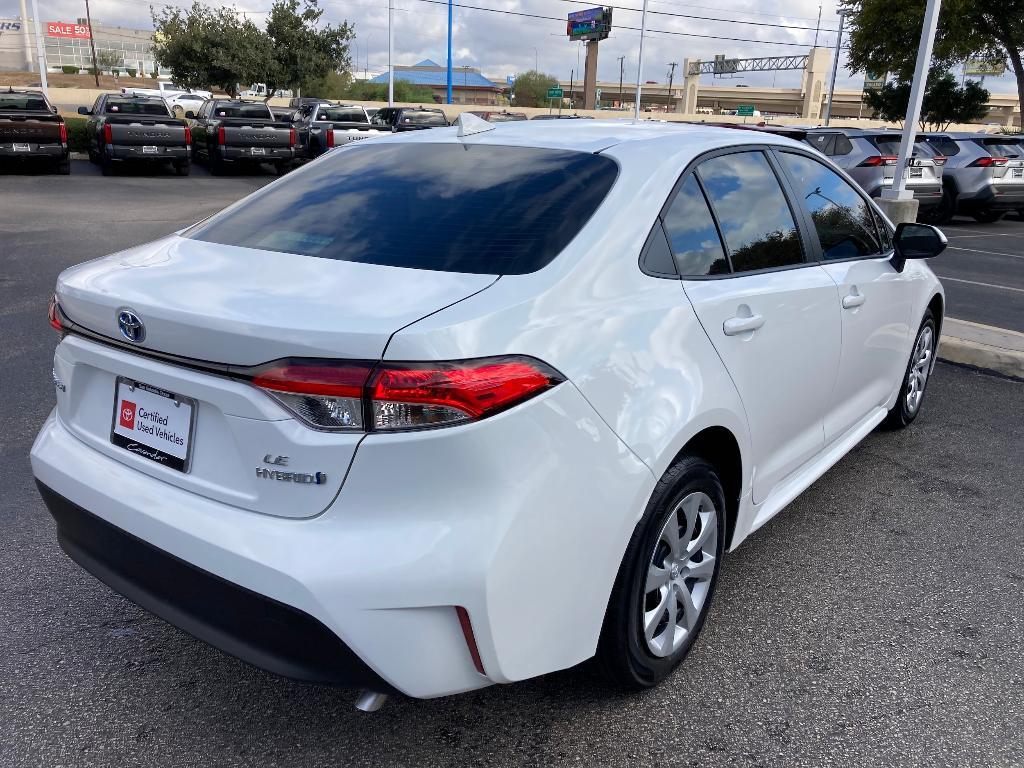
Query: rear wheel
(667, 578)
(915, 380)
(106, 166)
(183, 168)
(943, 212)
(216, 164)
(63, 167)
(987, 217)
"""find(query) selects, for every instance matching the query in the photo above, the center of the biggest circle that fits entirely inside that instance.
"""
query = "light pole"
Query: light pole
(835, 67)
(391, 53)
(40, 55)
(536, 59)
(622, 67)
(640, 62)
(671, 76)
(449, 51)
(924, 57)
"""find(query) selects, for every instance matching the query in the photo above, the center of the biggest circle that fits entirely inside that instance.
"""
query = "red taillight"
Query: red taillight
(63, 133)
(54, 315)
(467, 632)
(291, 137)
(188, 136)
(988, 162)
(357, 395)
(330, 138)
(939, 160)
(876, 160)
(220, 136)
(108, 134)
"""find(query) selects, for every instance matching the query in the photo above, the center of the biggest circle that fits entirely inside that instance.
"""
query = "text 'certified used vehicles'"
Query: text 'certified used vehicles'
(231, 133)
(31, 132)
(498, 398)
(135, 129)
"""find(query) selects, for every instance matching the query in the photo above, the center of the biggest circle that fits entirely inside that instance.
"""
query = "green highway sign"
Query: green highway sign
(554, 93)
(745, 110)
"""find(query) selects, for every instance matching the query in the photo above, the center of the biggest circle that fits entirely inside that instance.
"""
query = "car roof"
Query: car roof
(599, 135)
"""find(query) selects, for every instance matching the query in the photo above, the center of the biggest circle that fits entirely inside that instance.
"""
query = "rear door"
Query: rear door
(873, 298)
(771, 314)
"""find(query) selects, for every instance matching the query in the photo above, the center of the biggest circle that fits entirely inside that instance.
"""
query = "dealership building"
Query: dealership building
(468, 85)
(66, 43)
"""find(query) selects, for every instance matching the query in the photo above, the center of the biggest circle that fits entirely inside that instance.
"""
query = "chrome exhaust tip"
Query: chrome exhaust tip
(370, 701)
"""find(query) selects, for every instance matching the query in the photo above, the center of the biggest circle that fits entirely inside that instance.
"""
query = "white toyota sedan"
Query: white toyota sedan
(470, 405)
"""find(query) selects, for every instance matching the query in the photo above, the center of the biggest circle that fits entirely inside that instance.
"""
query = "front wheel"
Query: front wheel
(988, 217)
(667, 578)
(919, 369)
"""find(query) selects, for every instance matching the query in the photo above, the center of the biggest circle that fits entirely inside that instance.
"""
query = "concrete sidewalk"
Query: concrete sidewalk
(982, 346)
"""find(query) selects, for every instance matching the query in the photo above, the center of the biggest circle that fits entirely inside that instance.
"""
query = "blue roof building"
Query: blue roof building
(468, 85)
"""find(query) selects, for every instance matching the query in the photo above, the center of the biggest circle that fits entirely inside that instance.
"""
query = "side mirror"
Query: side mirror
(83, 110)
(916, 241)
(190, 115)
(54, 110)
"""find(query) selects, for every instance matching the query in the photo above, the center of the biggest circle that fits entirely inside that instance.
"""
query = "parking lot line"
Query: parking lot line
(980, 233)
(978, 250)
(986, 285)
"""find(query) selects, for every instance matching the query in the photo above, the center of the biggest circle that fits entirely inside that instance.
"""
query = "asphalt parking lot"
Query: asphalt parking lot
(877, 621)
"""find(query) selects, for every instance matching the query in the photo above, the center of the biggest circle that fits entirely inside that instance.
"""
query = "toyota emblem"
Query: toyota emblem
(131, 325)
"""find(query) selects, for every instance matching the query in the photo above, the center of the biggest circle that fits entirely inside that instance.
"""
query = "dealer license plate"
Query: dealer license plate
(22, 148)
(258, 150)
(1017, 173)
(153, 423)
(150, 150)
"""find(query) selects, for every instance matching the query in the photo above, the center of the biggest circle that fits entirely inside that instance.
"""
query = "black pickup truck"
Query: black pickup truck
(124, 128)
(231, 132)
(31, 131)
(321, 127)
(403, 119)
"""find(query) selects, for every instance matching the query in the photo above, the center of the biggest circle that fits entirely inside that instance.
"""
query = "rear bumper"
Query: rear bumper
(245, 155)
(927, 196)
(521, 519)
(36, 152)
(243, 623)
(992, 197)
(137, 153)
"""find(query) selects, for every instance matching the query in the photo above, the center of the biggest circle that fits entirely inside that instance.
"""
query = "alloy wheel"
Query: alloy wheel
(920, 367)
(679, 574)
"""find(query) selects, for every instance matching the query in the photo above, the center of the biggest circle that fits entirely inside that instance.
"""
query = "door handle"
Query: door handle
(734, 326)
(853, 300)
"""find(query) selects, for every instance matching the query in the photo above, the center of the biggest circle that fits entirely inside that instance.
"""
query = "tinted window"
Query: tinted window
(890, 145)
(254, 111)
(1002, 148)
(132, 107)
(842, 218)
(17, 102)
(692, 234)
(756, 221)
(422, 117)
(342, 115)
(883, 232)
(944, 145)
(505, 117)
(657, 256)
(451, 207)
(843, 145)
(823, 142)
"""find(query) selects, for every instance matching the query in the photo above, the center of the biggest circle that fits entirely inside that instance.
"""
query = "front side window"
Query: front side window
(692, 234)
(752, 211)
(842, 218)
(449, 207)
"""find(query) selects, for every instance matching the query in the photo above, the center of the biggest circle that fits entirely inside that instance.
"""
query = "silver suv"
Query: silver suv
(983, 175)
(870, 159)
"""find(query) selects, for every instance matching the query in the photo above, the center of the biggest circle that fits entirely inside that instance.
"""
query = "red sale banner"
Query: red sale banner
(66, 29)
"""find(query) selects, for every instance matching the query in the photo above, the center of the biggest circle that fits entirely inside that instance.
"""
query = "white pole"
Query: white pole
(26, 42)
(835, 68)
(640, 63)
(391, 53)
(39, 50)
(924, 57)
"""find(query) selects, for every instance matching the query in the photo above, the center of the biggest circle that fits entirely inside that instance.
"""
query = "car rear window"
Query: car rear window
(449, 207)
(254, 111)
(18, 102)
(1002, 148)
(423, 118)
(342, 115)
(890, 145)
(943, 145)
(134, 107)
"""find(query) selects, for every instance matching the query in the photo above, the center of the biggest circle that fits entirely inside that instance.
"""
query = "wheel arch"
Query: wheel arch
(719, 447)
(936, 305)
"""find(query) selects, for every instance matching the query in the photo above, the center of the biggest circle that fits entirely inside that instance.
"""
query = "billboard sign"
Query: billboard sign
(874, 81)
(66, 29)
(984, 68)
(591, 24)
(724, 66)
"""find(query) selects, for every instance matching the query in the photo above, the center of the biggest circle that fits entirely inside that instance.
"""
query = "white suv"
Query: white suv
(465, 406)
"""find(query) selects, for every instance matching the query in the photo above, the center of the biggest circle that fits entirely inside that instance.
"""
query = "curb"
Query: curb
(79, 156)
(982, 346)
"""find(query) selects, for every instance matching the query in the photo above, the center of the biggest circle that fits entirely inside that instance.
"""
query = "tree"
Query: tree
(405, 92)
(302, 52)
(109, 60)
(944, 101)
(531, 88)
(884, 35)
(210, 46)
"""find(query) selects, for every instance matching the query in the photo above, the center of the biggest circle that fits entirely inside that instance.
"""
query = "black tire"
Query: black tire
(93, 157)
(988, 217)
(943, 212)
(106, 166)
(216, 165)
(63, 167)
(903, 413)
(184, 168)
(623, 653)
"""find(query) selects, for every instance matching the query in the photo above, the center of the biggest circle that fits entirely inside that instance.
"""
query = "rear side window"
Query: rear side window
(692, 233)
(752, 211)
(843, 145)
(131, 107)
(449, 207)
(842, 218)
(823, 142)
